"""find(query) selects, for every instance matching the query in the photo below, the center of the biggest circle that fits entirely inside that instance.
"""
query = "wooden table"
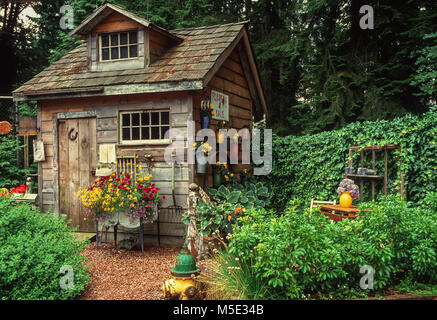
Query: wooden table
(338, 213)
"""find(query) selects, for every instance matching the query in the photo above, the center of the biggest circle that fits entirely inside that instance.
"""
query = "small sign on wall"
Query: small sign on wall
(220, 102)
(38, 151)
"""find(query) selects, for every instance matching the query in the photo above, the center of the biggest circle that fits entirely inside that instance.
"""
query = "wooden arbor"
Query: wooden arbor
(374, 178)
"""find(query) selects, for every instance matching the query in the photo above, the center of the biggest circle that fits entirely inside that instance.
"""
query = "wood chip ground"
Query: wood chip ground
(127, 275)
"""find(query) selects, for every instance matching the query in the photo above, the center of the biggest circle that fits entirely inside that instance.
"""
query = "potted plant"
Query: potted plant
(101, 199)
(219, 170)
(206, 112)
(221, 125)
(201, 148)
(244, 175)
(348, 191)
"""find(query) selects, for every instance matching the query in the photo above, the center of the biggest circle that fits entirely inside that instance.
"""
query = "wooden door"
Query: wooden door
(77, 160)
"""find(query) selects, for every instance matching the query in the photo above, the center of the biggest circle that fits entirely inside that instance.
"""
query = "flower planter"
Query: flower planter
(201, 167)
(205, 122)
(217, 180)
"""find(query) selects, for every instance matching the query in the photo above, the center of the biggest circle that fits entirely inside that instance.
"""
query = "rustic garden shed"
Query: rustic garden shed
(121, 89)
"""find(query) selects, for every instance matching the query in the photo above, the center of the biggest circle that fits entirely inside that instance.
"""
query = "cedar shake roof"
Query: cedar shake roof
(188, 61)
(190, 64)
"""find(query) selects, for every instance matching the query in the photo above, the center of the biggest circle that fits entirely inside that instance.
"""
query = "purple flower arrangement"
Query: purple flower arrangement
(144, 209)
(349, 185)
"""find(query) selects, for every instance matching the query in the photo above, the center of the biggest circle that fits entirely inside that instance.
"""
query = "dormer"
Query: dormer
(120, 40)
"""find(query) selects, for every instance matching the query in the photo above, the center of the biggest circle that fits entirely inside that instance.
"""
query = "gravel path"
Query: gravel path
(127, 275)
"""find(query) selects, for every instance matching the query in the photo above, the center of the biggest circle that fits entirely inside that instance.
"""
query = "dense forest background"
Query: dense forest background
(321, 71)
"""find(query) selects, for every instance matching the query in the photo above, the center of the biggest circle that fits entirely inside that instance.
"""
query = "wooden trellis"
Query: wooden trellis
(374, 178)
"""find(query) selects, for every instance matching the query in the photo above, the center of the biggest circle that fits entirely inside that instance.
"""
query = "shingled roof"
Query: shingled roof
(188, 61)
(188, 65)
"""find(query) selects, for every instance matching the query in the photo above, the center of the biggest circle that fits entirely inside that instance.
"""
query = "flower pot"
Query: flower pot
(205, 122)
(217, 180)
(201, 167)
(220, 137)
(234, 149)
(345, 200)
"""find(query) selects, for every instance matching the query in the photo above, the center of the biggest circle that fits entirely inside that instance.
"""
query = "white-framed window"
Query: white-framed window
(145, 126)
(118, 45)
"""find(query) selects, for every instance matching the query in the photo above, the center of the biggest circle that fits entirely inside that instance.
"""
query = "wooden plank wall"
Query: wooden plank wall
(230, 80)
(107, 110)
(158, 44)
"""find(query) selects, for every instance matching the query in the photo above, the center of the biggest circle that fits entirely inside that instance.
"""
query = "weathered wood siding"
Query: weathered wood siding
(107, 112)
(231, 80)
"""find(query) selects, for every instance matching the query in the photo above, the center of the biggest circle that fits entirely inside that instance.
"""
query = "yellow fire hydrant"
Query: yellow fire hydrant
(183, 285)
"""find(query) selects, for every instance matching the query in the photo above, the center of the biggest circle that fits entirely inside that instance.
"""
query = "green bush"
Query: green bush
(33, 248)
(312, 166)
(297, 255)
(11, 175)
(227, 205)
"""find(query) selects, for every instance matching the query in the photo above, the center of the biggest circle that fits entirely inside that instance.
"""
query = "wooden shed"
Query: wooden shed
(127, 68)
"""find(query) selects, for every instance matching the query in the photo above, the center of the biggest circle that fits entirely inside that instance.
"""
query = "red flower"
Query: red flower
(163, 197)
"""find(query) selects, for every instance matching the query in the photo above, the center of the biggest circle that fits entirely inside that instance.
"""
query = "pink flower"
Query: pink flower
(163, 197)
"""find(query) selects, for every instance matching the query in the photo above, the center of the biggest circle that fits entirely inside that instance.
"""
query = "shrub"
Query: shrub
(33, 248)
(227, 205)
(296, 255)
(11, 176)
(311, 166)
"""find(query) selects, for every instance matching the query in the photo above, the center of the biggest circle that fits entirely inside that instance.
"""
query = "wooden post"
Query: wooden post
(142, 234)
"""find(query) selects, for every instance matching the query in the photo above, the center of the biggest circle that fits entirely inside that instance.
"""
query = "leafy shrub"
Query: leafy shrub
(33, 248)
(296, 255)
(311, 166)
(11, 176)
(227, 205)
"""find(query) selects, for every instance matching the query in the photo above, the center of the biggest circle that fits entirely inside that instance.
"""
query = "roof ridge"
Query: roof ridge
(207, 27)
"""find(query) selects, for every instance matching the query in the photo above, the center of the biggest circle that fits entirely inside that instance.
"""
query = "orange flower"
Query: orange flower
(213, 113)
(212, 106)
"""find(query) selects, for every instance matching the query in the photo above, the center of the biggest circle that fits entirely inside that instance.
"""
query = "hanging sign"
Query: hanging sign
(38, 151)
(220, 102)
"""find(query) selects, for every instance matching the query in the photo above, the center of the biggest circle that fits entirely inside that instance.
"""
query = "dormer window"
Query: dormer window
(118, 45)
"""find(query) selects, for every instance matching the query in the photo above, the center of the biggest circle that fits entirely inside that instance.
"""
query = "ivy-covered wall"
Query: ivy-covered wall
(312, 166)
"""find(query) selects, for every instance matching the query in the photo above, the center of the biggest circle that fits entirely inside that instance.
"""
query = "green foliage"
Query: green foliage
(312, 166)
(303, 254)
(426, 74)
(11, 175)
(228, 203)
(34, 247)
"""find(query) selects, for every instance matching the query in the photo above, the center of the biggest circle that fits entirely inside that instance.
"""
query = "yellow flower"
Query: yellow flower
(232, 174)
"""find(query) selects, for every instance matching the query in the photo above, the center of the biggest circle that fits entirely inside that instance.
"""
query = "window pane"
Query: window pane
(135, 119)
(105, 54)
(123, 38)
(155, 133)
(165, 117)
(114, 53)
(123, 53)
(145, 119)
(155, 118)
(145, 133)
(114, 39)
(105, 40)
(133, 38)
(163, 131)
(126, 120)
(133, 51)
(126, 134)
(135, 133)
